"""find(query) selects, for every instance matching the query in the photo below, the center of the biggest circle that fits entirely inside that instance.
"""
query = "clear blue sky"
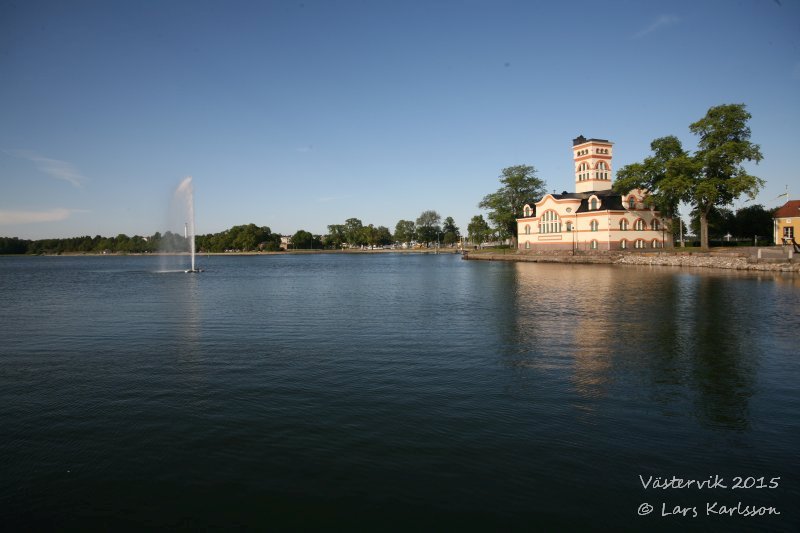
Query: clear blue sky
(296, 115)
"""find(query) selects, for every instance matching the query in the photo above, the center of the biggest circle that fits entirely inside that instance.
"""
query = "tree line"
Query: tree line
(426, 230)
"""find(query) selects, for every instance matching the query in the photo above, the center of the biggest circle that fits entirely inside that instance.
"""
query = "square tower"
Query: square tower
(592, 164)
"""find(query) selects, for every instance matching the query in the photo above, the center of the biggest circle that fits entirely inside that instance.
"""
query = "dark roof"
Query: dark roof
(580, 139)
(609, 200)
(789, 209)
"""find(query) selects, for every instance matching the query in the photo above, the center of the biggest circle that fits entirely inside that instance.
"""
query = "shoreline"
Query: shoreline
(764, 260)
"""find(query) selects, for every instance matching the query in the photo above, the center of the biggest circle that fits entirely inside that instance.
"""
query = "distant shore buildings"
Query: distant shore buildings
(593, 217)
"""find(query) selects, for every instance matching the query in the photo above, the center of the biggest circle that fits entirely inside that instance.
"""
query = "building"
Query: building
(593, 217)
(786, 222)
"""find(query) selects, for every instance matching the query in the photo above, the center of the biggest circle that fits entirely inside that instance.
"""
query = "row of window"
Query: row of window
(638, 244)
(550, 223)
(602, 165)
(597, 176)
(585, 151)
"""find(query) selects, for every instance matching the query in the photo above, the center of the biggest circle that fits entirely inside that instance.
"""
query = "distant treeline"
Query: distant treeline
(246, 237)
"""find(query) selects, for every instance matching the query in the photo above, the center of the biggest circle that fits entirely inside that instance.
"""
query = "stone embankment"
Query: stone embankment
(766, 260)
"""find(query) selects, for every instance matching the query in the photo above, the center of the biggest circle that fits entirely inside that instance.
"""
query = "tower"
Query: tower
(592, 164)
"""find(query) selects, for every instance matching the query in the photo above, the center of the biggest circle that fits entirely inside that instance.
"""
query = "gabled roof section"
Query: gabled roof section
(789, 209)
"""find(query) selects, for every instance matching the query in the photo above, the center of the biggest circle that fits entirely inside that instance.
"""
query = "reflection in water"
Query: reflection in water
(723, 370)
(673, 338)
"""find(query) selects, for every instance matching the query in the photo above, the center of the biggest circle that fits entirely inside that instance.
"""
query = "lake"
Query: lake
(395, 391)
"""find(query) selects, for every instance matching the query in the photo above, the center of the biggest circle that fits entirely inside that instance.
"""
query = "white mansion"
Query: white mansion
(593, 217)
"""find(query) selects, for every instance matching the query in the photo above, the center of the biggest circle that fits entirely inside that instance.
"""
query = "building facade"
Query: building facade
(593, 217)
(786, 222)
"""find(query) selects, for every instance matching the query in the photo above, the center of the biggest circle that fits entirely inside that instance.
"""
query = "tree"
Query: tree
(478, 230)
(450, 230)
(723, 147)
(721, 222)
(405, 231)
(753, 220)
(428, 226)
(383, 236)
(712, 177)
(519, 186)
(303, 240)
(666, 175)
(354, 232)
(336, 236)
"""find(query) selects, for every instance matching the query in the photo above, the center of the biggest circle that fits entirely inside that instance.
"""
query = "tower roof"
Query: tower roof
(580, 139)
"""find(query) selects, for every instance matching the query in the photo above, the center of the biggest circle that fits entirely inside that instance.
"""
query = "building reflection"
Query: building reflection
(675, 339)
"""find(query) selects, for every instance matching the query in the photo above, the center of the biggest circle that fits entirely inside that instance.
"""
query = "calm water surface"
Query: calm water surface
(392, 390)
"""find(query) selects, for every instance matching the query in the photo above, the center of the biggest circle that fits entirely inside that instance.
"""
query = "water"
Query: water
(391, 391)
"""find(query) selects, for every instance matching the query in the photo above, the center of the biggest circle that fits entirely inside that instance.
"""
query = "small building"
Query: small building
(594, 217)
(786, 222)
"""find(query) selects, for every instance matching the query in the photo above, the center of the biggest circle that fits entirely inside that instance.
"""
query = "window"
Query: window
(602, 165)
(569, 226)
(527, 245)
(549, 223)
(623, 225)
(527, 211)
(639, 243)
(788, 232)
(593, 225)
(656, 243)
(639, 225)
(527, 229)
(593, 204)
(631, 202)
(593, 245)
(623, 244)
(654, 224)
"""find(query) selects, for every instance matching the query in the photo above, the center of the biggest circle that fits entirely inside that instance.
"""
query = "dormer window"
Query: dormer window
(631, 202)
(593, 204)
(527, 211)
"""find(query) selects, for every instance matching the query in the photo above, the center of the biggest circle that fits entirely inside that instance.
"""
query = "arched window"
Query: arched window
(639, 243)
(549, 223)
(569, 226)
(593, 244)
(631, 202)
(654, 224)
(623, 225)
(527, 229)
(527, 245)
(593, 225)
(593, 204)
(656, 243)
(602, 165)
(623, 244)
(639, 225)
(527, 211)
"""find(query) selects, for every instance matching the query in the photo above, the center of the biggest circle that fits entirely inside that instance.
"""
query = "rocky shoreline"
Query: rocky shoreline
(725, 260)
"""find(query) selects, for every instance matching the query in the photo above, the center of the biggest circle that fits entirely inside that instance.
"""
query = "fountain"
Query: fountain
(185, 192)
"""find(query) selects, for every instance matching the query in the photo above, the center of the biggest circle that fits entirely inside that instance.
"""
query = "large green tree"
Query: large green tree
(354, 232)
(405, 231)
(304, 240)
(450, 231)
(478, 230)
(712, 177)
(519, 185)
(428, 226)
(336, 236)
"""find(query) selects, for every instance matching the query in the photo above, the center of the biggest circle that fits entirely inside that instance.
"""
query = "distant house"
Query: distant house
(285, 242)
(594, 217)
(786, 222)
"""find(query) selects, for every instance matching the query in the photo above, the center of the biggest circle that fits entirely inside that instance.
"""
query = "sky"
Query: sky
(301, 114)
